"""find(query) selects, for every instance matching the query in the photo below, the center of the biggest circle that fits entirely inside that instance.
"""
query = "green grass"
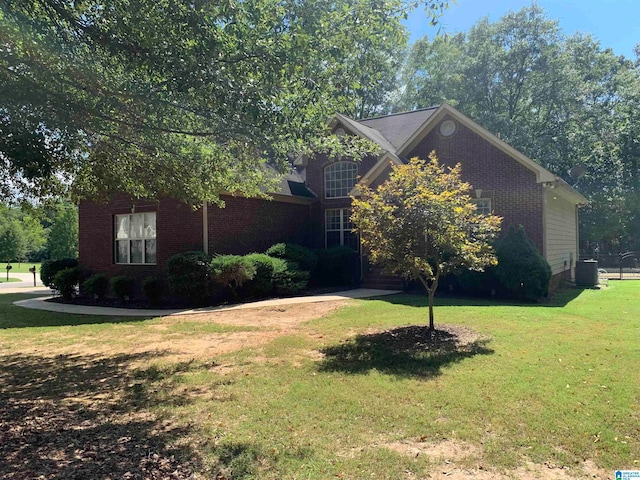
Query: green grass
(549, 384)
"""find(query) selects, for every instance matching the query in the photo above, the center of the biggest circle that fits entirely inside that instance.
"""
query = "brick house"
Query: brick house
(312, 207)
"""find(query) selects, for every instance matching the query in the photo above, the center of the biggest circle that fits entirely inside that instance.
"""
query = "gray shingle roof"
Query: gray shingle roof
(397, 128)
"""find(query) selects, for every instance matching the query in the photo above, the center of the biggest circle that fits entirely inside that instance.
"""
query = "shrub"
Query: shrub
(122, 287)
(521, 269)
(96, 286)
(189, 275)
(305, 258)
(336, 266)
(232, 271)
(152, 290)
(263, 282)
(290, 280)
(65, 282)
(50, 268)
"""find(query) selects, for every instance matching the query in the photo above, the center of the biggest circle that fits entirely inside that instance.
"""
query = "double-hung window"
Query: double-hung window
(483, 206)
(339, 179)
(135, 238)
(339, 228)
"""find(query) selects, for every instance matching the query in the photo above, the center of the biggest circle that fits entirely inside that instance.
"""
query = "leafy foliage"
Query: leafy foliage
(263, 282)
(152, 288)
(189, 275)
(65, 282)
(561, 99)
(96, 285)
(521, 269)
(50, 268)
(233, 271)
(421, 224)
(122, 287)
(335, 267)
(115, 97)
(306, 258)
(290, 280)
(62, 240)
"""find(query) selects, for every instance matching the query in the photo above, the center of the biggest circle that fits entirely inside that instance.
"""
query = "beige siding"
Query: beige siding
(560, 233)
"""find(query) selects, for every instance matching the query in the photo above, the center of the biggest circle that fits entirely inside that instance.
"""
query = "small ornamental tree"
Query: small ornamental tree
(421, 224)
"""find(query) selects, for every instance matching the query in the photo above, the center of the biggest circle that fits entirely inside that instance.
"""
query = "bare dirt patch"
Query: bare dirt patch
(449, 454)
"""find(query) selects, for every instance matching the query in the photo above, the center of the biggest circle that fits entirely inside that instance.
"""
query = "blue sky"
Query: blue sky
(615, 23)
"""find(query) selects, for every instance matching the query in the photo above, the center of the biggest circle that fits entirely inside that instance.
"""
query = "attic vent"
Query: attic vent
(447, 128)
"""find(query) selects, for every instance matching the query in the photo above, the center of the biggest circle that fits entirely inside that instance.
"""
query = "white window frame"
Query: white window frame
(345, 214)
(339, 168)
(486, 209)
(147, 234)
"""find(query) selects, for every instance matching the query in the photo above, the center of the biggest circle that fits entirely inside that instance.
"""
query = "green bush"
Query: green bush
(263, 282)
(305, 258)
(482, 284)
(336, 266)
(189, 275)
(122, 286)
(65, 282)
(232, 271)
(521, 269)
(95, 286)
(152, 290)
(290, 280)
(50, 268)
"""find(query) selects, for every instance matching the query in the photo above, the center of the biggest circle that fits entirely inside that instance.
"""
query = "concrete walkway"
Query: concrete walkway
(40, 304)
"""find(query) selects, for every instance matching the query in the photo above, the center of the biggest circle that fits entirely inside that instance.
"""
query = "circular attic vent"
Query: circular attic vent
(447, 128)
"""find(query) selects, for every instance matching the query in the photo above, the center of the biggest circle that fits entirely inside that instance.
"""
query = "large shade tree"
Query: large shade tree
(563, 100)
(421, 224)
(181, 98)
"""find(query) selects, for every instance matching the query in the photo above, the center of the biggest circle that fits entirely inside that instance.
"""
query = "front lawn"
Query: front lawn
(511, 391)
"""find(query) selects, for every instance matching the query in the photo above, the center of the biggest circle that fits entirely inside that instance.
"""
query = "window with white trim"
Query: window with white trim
(339, 179)
(339, 228)
(135, 238)
(483, 205)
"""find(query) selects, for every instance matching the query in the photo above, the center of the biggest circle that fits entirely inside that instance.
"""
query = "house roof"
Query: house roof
(402, 132)
(397, 128)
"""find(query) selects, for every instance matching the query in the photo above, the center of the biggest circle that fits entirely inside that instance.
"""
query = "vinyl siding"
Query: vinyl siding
(560, 233)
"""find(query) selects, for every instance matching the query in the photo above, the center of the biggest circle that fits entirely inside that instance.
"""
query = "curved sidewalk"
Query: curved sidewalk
(39, 303)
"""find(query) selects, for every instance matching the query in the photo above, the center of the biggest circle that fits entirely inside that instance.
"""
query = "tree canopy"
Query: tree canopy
(421, 224)
(182, 98)
(562, 100)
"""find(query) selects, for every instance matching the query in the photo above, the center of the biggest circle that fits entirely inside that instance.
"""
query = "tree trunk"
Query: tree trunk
(432, 293)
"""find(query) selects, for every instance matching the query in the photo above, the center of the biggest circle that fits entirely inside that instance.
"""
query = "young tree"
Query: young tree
(421, 224)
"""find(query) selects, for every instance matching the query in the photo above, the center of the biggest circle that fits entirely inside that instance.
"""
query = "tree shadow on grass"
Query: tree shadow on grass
(85, 417)
(411, 351)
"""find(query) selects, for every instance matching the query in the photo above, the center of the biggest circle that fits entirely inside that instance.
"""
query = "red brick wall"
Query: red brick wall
(513, 190)
(179, 229)
(243, 226)
(315, 181)
(252, 225)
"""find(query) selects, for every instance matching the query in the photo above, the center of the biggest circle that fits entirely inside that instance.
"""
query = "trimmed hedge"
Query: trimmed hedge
(50, 268)
(96, 286)
(188, 275)
(521, 269)
(336, 266)
(122, 287)
(65, 282)
(152, 290)
(291, 280)
(233, 271)
(306, 258)
(263, 283)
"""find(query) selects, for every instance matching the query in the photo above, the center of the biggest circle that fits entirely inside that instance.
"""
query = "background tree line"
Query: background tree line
(33, 234)
(563, 100)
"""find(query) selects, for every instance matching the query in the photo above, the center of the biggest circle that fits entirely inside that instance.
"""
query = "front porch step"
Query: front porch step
(377, 280)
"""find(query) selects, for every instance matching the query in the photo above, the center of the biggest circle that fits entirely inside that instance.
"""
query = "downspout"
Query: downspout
(205, 228)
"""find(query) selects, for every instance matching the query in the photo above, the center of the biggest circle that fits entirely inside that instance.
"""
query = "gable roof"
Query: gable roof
(397, 128)
(405, 130)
